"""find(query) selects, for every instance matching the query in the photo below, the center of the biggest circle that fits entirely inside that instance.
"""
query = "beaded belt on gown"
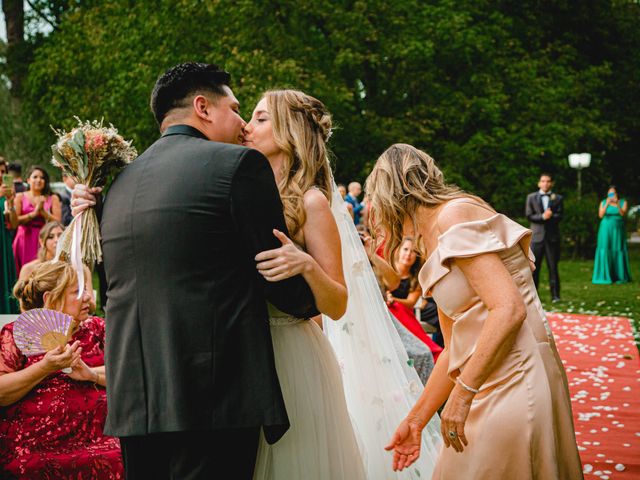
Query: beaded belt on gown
(278, 318)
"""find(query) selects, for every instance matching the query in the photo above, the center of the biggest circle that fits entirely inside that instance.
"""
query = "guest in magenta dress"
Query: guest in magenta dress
(51, 422)
(34, 208)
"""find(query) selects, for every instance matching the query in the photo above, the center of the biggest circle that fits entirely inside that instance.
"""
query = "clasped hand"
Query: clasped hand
(60, 357)
(284, 262)
(81, 371)
(82, 198)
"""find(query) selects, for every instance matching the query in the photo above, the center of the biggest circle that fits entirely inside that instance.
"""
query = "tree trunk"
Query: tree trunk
(14, 19)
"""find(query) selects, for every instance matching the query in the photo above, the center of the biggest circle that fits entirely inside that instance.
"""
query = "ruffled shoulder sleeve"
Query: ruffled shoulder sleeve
(469, 239)
(11, 359)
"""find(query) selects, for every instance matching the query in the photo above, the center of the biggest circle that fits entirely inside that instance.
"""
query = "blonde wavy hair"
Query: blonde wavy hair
(403, 179)
(53, 277)
(301, 129)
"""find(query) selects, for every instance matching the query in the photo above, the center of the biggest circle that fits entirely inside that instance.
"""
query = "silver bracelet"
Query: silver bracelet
(465, 386)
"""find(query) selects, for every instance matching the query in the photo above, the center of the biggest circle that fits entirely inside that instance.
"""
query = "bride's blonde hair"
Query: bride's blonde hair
(301, 129)
(403, 179)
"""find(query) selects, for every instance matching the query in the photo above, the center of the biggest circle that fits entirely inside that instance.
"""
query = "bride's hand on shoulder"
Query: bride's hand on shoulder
(284, 262)
(405, 443)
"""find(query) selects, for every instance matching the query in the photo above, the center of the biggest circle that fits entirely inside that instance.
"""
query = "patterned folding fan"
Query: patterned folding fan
(40, 330)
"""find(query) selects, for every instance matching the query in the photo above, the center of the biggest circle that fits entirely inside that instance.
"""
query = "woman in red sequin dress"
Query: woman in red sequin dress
(50, 422)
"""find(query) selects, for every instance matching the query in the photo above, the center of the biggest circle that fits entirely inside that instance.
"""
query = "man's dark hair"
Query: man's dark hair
(15, 167)
(546, 174)
(175, 86)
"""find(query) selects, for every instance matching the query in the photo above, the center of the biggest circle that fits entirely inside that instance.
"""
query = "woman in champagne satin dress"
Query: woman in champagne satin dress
(508, 412)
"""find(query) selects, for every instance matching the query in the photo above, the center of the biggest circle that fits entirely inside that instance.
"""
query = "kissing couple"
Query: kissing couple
(223, 243)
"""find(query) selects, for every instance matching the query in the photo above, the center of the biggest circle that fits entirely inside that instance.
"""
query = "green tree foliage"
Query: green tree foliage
(495, 91)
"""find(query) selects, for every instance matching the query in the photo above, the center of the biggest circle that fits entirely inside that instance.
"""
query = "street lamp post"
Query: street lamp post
(579, 161)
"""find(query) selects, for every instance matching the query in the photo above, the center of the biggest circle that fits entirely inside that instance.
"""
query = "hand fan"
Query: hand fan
(40, 330)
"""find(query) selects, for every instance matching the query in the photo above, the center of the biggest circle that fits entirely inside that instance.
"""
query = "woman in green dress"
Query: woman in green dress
(7, 265)
(611, 264)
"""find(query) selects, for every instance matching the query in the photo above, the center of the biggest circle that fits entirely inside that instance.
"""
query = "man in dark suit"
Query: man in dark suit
(544, 210)
(190, 367)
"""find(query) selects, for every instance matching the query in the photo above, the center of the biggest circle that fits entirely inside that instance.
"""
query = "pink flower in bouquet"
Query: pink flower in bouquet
(94, 142)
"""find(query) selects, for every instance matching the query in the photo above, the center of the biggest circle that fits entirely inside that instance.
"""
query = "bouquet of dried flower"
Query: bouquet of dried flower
(92, 154)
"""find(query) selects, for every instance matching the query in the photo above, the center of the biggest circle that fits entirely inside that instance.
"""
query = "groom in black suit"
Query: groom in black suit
(544, 210)
(189, 361)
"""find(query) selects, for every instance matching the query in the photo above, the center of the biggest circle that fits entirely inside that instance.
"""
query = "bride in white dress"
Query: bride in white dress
(290, 129)
(334, 434)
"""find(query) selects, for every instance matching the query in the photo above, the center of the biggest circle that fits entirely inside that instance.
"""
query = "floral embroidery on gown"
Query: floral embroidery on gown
(55, 431)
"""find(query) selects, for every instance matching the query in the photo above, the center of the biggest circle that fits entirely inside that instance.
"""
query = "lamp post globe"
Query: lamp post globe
(579, 161)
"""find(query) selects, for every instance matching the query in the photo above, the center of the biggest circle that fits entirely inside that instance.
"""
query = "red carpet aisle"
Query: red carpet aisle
(603, 368)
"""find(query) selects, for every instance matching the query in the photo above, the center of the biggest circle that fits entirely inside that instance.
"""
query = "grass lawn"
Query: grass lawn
(579, 295)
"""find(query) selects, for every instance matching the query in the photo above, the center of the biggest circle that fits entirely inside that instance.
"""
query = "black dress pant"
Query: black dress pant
(102, 285)
(550, 251)
(209, 455)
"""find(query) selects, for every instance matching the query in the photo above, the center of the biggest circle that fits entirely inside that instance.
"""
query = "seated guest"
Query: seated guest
(48, 240)
(49, 236)
(403, 299)
(417, 351)
(429, 315)
(51, 422)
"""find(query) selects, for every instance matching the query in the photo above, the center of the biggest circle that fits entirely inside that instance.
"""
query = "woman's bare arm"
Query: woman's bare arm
(602, 208)
(411, 299)
(322, 241)
(320, 265)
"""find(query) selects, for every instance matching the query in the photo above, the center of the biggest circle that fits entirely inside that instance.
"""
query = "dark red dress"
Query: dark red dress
(55, 431)
(408, 319)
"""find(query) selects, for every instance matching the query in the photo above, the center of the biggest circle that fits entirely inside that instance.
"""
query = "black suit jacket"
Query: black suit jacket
(188, 345)
(542, 229)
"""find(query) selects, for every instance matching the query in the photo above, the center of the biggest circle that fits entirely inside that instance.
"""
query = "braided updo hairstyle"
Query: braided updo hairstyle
(301, 129)
(53, 277)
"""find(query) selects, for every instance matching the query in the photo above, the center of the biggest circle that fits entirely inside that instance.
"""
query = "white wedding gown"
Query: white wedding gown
(320, 444)
(339, 430)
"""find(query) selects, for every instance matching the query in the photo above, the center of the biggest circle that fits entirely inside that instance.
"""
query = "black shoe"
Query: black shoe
(555, 300)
